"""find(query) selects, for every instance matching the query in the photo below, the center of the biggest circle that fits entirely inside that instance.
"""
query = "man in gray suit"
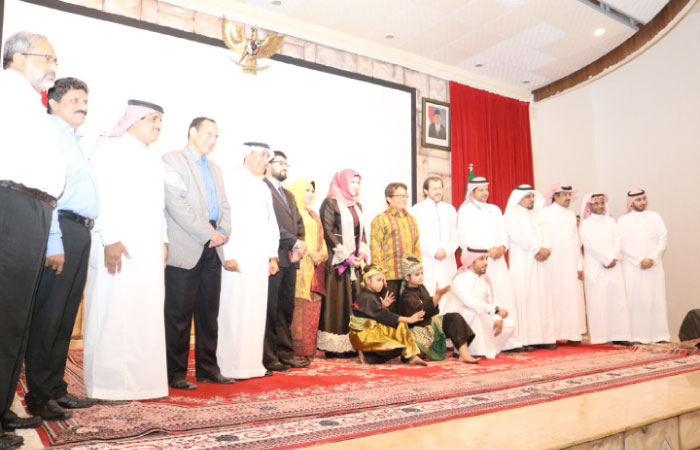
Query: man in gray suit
(199, 222)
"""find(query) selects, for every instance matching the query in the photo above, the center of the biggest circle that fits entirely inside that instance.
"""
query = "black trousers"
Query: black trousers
(191, 292)
(280, 310)
(57, 302)
(457, 329)
(24, 231)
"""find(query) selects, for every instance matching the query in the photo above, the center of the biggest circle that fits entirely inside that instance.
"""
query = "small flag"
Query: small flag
(469, 179)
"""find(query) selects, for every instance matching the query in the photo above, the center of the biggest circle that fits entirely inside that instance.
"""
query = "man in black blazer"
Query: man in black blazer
(278, 352)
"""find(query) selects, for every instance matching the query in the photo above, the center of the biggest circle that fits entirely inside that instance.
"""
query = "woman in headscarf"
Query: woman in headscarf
(344, 232)
(311, 274)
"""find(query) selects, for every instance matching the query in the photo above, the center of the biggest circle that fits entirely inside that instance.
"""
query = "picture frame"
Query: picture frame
(436, 124)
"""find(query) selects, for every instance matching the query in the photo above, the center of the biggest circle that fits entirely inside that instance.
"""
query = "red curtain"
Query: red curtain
(493, 133)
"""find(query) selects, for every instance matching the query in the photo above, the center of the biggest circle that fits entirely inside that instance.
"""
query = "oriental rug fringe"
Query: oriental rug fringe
(337, 399)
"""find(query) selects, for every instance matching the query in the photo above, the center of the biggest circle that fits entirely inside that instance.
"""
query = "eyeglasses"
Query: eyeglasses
(280, 162)
(47, 58)
(399, 196)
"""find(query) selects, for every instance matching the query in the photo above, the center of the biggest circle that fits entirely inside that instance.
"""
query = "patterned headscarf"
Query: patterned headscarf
(632, 196)
(553, 189)
(340, 187)
(586, 204)
(410, 264)
(135, 111)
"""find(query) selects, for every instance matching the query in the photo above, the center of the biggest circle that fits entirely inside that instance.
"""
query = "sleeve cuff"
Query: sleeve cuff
(54, 246)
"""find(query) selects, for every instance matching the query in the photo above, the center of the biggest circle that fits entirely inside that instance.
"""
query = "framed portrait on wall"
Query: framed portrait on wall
(436, 124)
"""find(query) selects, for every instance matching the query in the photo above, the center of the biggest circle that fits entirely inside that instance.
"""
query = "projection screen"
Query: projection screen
(324, 119)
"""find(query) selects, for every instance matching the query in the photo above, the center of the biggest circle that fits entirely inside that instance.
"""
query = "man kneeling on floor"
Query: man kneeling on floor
(472, 296)
(377, 333)
(432, 332)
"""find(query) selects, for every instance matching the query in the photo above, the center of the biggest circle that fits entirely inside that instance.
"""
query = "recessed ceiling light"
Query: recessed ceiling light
(599, 32)
(526, 82)
(389, 36)
(478, 65)
(276, 3)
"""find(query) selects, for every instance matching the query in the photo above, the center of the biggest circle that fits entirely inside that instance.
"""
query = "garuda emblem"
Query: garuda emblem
(251, 48)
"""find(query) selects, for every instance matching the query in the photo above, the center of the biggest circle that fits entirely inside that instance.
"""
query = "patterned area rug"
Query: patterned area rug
(335, 399)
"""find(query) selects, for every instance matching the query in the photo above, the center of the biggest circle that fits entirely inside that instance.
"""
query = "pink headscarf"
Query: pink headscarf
(632, 196)
(553, 189)
(340, 187)
(469, 255)
(586, 204)
(475, 183)
(135, 111)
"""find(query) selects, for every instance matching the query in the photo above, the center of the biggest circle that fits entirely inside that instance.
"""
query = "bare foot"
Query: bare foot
(362, 357)
(417, 361)
(469, 359)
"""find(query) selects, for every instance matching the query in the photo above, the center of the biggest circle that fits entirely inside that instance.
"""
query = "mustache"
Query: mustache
(50, 72)
(81, 111)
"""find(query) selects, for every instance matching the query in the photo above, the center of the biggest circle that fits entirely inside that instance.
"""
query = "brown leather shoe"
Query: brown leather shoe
(295, 363)
(182, 384)
(216, 379)
(11, 421)
(10, 440)
(50, 410)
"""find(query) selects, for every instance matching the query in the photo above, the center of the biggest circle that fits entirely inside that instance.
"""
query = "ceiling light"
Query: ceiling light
(389, 36)
(599, 32)
(276, 3)
(478, 65)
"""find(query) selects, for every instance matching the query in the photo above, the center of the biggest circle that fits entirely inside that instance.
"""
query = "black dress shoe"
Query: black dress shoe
(70, 401)
(182, 384)
(11, 421)
(216, 379)
(50, 410)
(625, 343)
(528, 348)
(269, 373)
(10, 440)
(548, 346)
(277, 367)
(515, 350)
(295, 363)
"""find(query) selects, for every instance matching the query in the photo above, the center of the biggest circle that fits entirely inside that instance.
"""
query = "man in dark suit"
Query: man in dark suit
(278, 353)
(436, 129)
(199, 222)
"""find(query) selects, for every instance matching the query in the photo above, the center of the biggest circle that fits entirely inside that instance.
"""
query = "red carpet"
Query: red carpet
(335, 399)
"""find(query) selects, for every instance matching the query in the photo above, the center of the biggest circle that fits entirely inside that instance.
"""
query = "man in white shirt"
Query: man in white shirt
(32, 175)
(644, 236)
(529, 250)
(472, 295)
(437, 227)
(481, 225)
(606, 301)
(564, 265)
(124, 338)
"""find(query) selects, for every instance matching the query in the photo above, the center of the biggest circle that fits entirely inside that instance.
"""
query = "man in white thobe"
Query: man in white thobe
(644, 235)
(564, 265)
(437, 227)
(481, 225)
(606, 301)
(472, 296)
(124, 330)
(250, 257)
(529, 251)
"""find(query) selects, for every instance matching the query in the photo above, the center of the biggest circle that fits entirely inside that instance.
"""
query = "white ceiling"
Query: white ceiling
(525, 44)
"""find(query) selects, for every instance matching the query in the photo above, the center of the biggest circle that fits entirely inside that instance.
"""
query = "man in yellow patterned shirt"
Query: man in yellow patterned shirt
(394, 234)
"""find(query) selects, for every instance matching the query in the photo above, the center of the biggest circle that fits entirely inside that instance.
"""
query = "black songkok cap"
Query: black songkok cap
(148, 105)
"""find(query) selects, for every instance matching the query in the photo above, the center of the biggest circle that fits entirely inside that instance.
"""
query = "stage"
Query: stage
(577, 396)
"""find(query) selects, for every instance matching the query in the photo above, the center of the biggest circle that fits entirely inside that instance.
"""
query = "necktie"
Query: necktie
(284, 197)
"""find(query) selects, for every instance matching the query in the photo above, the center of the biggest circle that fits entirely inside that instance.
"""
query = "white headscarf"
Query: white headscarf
(518, 194)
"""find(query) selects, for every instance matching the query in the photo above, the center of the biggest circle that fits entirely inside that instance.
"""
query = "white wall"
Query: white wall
(637, 127)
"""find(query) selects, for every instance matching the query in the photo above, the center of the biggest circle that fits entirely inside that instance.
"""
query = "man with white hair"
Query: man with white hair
(472, 295)
(32, 175)
(437, 226)
(565, 264)
(529, 251)
(250, 257)
(644, 235)
(606, 301)
(124, 329)
(481, 225)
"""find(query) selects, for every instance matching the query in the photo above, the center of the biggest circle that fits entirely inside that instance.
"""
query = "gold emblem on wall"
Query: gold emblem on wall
(249, 47)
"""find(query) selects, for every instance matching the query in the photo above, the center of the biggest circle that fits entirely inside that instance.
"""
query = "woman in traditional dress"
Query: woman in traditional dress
(311, 274)
(344, 232)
